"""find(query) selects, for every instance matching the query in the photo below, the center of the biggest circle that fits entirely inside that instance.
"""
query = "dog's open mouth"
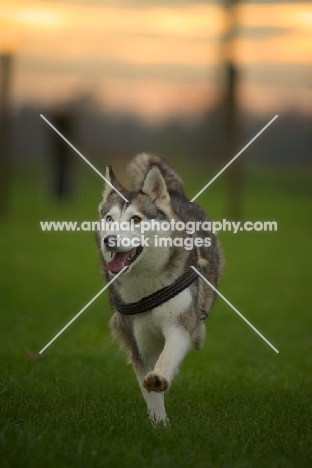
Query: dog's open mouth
(121, 259)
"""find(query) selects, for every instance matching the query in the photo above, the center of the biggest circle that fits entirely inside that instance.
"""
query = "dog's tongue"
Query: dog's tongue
(118, 261)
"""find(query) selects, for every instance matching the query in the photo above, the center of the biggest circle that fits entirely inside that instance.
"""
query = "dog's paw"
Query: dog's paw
(160, 423)
(155, 383)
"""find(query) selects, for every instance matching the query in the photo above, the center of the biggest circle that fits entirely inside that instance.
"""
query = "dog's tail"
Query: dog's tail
(141, 164)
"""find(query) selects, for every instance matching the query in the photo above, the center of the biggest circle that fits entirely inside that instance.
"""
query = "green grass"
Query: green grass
(234, 404)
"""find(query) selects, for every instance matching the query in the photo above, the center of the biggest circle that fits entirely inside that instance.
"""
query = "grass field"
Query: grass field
(235, 404)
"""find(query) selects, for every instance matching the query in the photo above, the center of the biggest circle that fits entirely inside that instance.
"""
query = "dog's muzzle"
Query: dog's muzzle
(110, 242)
(120, 257)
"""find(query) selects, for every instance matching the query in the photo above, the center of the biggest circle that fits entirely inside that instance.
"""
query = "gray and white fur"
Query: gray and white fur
(157, 341)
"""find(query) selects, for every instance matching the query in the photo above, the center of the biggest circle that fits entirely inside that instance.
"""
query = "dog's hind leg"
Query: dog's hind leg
(199, 336)
(177, 344)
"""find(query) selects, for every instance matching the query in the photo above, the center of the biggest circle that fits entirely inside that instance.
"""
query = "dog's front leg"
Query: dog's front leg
(154, 401)
(177, 344)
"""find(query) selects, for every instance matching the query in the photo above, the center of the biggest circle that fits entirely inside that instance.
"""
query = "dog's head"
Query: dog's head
(120, 235)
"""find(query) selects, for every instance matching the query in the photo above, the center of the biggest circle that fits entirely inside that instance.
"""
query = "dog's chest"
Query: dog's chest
(158, 321)
(151, 328)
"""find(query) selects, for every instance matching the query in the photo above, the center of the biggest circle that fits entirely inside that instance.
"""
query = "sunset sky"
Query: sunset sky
(157, 58)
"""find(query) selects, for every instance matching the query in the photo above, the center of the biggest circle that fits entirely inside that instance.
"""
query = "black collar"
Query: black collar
(158, 297)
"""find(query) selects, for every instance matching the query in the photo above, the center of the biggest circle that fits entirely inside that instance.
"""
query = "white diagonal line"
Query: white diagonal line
(83, 157)
(82, 310)
(235, 310)
(235, 157)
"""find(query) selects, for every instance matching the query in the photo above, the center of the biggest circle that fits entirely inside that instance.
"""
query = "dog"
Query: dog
(159, 301)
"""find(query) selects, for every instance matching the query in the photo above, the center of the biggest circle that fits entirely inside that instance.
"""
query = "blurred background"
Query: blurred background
(192, 81)
(189, 80)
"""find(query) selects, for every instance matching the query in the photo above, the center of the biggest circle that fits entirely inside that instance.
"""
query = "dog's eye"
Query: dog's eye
(136, 219)
(108, 219)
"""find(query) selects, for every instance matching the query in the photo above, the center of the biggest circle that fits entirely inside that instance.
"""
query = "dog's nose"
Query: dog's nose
(110, 241)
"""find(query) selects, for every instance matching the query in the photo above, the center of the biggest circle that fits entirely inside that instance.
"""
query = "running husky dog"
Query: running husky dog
(159, 301)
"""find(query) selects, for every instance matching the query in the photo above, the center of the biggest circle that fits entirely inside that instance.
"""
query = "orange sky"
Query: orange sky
(159, 60)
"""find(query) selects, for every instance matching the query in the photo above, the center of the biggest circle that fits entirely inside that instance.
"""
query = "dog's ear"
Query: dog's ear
(110, 177)
(155, 186)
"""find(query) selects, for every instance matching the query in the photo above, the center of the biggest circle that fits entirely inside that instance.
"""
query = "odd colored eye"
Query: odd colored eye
(109, 219)
(136, 219)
